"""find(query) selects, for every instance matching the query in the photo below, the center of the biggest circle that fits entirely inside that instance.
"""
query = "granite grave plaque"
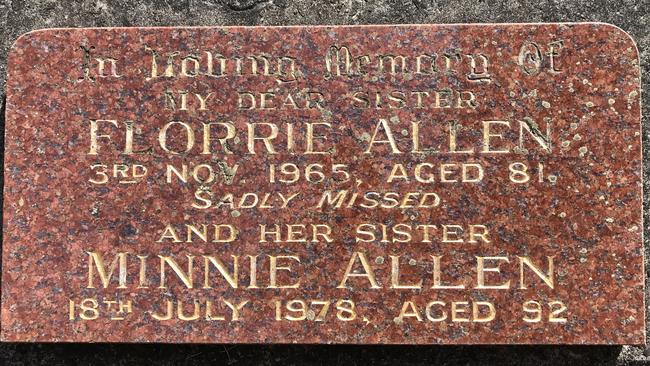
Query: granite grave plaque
(412, 184)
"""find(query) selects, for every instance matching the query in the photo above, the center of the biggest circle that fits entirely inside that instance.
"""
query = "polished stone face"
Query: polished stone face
(461, 184)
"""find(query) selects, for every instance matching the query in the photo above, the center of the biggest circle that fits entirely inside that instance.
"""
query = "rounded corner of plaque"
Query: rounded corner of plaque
(23, 38)
(623, 34)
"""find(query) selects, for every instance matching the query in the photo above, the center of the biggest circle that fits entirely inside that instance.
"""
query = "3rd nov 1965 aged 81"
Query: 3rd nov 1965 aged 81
(456, 184)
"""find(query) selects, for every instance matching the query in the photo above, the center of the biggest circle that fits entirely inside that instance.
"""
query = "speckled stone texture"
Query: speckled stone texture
(583, 209)
(17, 17)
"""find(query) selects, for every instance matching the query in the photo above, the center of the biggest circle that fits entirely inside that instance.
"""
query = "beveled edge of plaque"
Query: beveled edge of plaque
(22, 37)
(605, 24)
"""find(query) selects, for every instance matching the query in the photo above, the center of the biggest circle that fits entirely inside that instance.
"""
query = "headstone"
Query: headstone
(423, 184)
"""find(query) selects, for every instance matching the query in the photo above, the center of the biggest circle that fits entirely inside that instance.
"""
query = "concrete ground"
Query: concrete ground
(19, 16)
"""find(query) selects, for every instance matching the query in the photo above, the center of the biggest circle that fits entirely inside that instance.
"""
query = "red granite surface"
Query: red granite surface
(588, 218)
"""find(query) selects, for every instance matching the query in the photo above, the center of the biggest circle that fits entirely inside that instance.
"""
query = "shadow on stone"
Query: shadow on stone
(118, 354)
